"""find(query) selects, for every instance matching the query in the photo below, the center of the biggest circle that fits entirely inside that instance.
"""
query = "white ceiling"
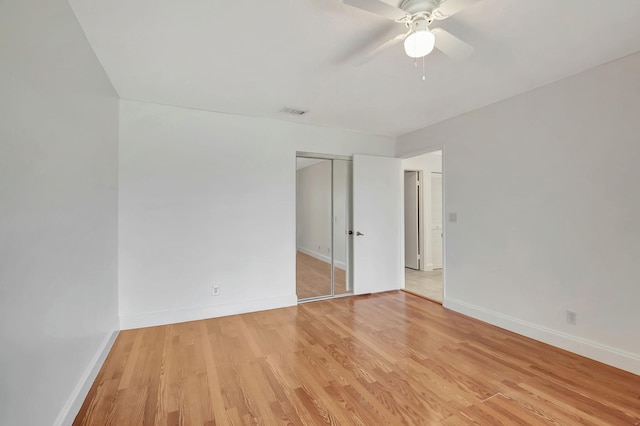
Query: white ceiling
(254, 57)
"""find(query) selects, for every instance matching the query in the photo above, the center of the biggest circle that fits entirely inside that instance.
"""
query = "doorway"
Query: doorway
(323, 222)
(424, 231)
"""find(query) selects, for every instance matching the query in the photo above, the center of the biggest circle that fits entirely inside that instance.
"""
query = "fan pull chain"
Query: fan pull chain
(424, 77)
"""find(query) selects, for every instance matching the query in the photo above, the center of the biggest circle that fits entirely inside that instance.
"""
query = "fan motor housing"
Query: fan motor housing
(419, 6)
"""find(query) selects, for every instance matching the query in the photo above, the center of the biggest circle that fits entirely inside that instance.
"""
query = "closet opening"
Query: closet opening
(324, 249)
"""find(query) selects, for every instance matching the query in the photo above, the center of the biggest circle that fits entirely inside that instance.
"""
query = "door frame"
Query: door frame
(444, 210)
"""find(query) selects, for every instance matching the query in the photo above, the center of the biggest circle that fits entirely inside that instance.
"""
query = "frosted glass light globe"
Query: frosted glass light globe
(419, 43)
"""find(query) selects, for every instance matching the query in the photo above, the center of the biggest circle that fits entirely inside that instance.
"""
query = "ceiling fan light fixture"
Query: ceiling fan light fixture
(419, 43)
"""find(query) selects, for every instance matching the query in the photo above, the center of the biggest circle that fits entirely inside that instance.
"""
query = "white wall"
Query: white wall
(210, 198)
(427, 163)
(58, 213)
(545, 185)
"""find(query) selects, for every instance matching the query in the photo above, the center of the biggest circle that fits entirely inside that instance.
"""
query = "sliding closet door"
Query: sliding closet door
(313, 228)
(342, 253)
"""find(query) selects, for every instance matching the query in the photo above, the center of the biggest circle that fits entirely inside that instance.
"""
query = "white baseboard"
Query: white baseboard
(338, 264)
(587, 348)
(74, 402)
(152, 319)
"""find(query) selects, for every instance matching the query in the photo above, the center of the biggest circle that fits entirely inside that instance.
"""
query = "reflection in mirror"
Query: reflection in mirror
(313, 228)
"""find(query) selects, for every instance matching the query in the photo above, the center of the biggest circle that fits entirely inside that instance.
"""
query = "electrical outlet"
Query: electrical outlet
(215, 290)
(571, 317)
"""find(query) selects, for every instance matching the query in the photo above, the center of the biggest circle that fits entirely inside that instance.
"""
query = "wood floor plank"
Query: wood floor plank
(385, 359)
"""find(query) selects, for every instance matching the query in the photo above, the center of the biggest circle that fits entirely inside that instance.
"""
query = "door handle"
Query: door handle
(358, 233)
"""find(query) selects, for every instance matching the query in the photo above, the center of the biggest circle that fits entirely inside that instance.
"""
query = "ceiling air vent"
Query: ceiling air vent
(289, 110)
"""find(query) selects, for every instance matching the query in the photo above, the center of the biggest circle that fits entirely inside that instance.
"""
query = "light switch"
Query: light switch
(453, 217)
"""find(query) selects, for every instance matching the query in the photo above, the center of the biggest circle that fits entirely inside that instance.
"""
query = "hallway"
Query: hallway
(427, 284)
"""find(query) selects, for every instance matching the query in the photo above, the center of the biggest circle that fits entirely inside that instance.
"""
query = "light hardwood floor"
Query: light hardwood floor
(390, 358)
(313, 277)
(427, 284)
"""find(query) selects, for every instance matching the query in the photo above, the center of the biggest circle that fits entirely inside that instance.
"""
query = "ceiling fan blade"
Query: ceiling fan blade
(369, 55)
(451, 7)
(451, 45)
(378, 7)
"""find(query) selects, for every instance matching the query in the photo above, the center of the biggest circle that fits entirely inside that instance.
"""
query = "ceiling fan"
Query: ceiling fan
(416, 16)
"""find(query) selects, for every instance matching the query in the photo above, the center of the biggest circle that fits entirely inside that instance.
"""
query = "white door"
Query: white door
(411, 215)
(377, 216)
(436, 219)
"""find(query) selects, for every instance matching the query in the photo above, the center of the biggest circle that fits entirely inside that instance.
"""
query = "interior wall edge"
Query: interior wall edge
(587, 348)
(76, 398)
(152, 319)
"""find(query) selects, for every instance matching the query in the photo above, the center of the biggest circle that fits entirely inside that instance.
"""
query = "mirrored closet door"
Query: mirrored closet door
(323, 220)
